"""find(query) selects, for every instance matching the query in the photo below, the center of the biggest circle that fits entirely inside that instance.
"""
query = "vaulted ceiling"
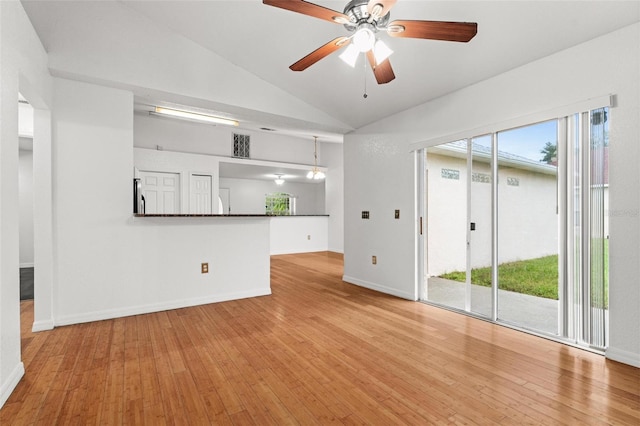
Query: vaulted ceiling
(85, 38)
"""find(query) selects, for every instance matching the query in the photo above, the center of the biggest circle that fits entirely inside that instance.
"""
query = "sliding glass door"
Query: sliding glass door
(528, 227)
(446, 225)
(516, 227)
(459, 225)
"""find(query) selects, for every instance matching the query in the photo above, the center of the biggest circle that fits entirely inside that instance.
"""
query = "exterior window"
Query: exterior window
(280, 204)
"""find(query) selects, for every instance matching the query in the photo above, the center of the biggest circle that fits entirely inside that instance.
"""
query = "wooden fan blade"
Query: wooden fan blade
(434, 30)
(380, 7)
(383, 71)
(309, 9)
(319, 53)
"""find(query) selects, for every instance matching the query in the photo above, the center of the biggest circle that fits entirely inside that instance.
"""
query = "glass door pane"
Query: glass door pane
(528, 227)
(446, 224)
(479, 226)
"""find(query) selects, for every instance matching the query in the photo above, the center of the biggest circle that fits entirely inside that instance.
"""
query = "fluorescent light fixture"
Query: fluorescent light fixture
(350, 55)
(197, 116)
(381, 51)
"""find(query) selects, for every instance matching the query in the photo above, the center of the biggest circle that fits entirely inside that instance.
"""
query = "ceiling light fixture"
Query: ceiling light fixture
(350, 55)
(197, 116)
(381, 51)
(315, 173)
(364, 38)
(279, 180)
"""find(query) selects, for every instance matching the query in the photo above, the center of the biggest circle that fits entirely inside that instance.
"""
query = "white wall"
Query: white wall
(299, 234)
(111, 264)
(25, 182)
(198, 138)
(23, 67)
(25, 120)
(331, 156)
(380, 175)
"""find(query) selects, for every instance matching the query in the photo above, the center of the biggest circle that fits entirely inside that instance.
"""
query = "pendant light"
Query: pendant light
(278, 180)
(315, 173)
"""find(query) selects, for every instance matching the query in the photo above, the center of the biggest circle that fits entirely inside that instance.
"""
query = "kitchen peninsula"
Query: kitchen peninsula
(287, 233)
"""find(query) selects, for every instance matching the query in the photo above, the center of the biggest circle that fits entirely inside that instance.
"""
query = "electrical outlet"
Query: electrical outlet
(204, 268)
(308, 237)
(374, 260)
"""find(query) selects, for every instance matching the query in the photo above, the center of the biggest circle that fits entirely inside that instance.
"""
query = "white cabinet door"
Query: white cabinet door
(161, 192)
(200, 199)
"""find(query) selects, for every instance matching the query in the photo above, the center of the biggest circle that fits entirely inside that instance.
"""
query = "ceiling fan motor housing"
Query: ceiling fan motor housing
(357, 11)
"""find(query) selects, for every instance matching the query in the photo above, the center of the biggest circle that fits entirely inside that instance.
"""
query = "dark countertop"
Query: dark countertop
(228, 215)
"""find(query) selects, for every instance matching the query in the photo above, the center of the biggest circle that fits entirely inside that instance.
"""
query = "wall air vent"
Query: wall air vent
(241, 145)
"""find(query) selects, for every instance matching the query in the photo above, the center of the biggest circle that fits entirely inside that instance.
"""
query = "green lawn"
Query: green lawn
(536, 277)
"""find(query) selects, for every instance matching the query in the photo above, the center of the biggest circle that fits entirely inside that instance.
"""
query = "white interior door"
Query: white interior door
(161, 192)
(200, 197)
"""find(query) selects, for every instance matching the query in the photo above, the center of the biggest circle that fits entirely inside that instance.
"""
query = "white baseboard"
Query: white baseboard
(158, 307)
(377, 287)
(26, 265)
(623, 356)
(42, 325)
(10, 384)
(297, 251)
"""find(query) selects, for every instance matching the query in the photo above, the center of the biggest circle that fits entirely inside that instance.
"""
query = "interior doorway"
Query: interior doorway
(225, 200)
(26, 198)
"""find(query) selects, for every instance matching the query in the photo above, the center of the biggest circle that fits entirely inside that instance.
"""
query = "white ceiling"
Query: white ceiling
(264, 41)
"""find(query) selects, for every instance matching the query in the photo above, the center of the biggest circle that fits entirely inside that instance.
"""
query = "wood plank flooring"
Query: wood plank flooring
(317, 351)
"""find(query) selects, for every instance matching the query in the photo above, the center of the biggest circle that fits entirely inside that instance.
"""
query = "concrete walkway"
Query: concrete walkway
(535, 313)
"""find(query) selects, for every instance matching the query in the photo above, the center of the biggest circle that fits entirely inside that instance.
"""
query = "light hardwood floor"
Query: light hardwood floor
(317, 351)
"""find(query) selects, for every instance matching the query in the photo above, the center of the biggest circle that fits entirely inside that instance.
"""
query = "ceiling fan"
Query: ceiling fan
(364, 18)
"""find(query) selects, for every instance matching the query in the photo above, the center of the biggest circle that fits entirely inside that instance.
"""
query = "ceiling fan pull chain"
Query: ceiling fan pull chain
(365, 80)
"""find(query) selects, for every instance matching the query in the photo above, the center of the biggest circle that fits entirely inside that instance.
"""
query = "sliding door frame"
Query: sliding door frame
(574, 299)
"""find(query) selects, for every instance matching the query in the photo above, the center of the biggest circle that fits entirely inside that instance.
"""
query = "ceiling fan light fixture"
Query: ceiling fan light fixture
(350, 55)
(364, 38)
(381, 51)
